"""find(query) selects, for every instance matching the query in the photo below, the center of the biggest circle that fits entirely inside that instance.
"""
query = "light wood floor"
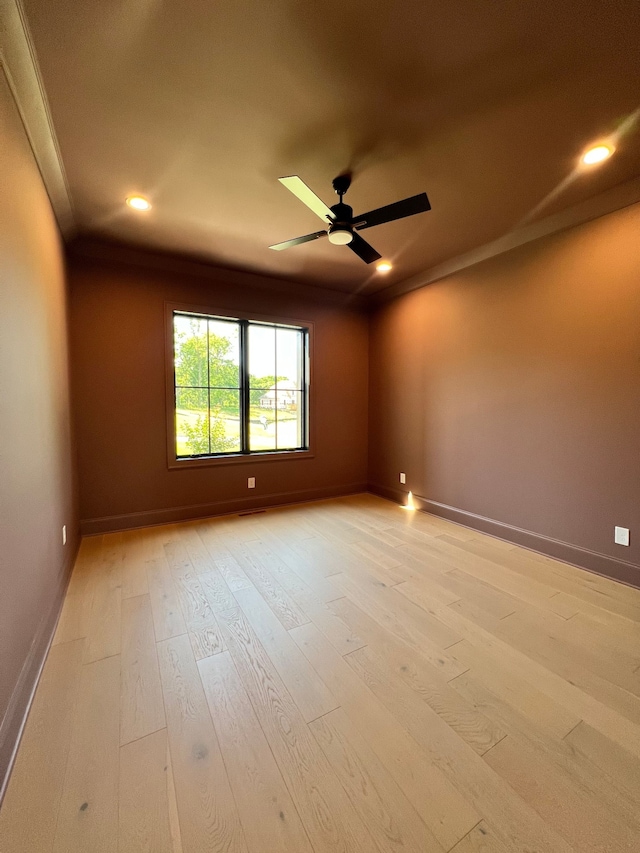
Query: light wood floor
(338, 677)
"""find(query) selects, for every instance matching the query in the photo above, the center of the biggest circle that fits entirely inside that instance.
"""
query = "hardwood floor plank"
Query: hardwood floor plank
(206, 640)
(528, 589)
(269, 818)
(87, 564)
(88, 815)
(168, 620)
(216, 590)
(481, 839)
(504, 695)
(336, 629)
(401, 618)
(197, 552)
(208, 816)
(104, 628)
(283, 606)
(75, 618)
(587, 823)
(144, 813)
(616, 762)
(214, 544)
(333, 677)
(583, 705)
(30, 807)
(134, 565)
(141, 705)
(517, 823)
(233, 573)
(195, 607)
(556, 637)
(309, 692)
(172, 805)
(296, 586)
(468, 588)
(447, 814)
(592, 588)
(576, 768)
(476, 729)
(391, 818)
(537, 637)
(328, 817)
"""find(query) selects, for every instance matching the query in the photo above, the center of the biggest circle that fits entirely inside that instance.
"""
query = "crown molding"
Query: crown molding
(99, 249)
(19, 64)
(618, 197)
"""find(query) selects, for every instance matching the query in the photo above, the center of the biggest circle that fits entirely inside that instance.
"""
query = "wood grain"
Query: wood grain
(269, 818)
(309, 692)
(88, 813)
(337, 677)
(30, 808)
(144, 813)
(141, 706)
(168, 620)
(385, 810)
(206, 808)
(329, 819)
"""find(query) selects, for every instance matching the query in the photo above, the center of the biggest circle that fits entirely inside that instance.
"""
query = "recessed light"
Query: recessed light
(383, 266)
(597, 154)
(138, 202)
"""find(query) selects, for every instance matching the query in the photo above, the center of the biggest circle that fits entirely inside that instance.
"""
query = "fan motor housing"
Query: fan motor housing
(340, 231)
(342, 213)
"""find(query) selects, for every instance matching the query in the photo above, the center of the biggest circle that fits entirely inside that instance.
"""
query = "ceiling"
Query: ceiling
(202, 105)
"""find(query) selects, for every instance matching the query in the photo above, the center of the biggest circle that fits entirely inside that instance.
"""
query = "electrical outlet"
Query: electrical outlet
(64, 534)
(403, 478)
(251, 483)
(621, 536)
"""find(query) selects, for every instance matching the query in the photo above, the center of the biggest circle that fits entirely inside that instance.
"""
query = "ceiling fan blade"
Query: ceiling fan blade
(363, 249)
(307, 196)
(297, 240)
(390, 212)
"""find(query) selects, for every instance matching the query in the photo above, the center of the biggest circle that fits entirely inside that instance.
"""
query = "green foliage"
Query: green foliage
(198, 435)
(206, 362)
(191, 366)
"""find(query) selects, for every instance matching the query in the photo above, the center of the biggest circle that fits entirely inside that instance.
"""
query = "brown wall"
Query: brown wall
(511, 391)
(118, 349)
(36, 491)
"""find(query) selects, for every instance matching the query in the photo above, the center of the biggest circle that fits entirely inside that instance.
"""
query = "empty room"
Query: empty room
(319, 426)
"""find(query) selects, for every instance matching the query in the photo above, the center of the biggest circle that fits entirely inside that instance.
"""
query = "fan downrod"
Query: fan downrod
(341, 184)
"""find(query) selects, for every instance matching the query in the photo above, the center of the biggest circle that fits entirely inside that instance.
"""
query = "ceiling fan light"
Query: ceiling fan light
(340, 235)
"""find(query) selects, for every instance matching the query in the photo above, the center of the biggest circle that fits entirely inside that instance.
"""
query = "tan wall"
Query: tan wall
(512, 391)
(35, 453)
(118, 346)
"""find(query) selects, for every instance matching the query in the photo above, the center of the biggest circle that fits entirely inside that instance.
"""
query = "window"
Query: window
(240, 386)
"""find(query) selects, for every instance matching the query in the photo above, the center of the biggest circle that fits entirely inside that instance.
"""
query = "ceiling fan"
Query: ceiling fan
(342, 224)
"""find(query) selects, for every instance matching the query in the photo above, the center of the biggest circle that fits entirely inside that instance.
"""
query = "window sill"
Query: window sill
(239, 459)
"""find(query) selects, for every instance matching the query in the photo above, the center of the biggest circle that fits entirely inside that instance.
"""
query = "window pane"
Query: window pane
(290, 432)
(262, 428)
(209, 365)
(289, 344)
(224, 354)
(192, 421)
(262, 357)
(190, 351)
(225, 421)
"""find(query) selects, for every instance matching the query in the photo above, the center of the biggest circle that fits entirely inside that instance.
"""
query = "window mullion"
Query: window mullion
(244, 385)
